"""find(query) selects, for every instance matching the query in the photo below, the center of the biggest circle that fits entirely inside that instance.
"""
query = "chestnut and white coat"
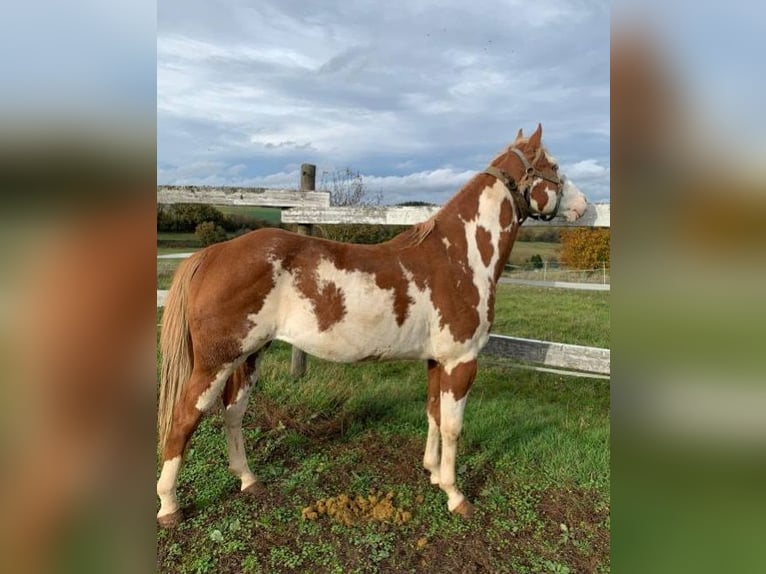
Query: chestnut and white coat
(428, 294)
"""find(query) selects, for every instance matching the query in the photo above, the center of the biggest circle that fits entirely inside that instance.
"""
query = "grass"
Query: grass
(270, 214)
(533, 456)
(523, 250)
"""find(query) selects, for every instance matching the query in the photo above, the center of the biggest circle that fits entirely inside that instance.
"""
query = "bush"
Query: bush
(536, 261)
(361, 233)
(208, 233)
(585, 248)
(185, 217)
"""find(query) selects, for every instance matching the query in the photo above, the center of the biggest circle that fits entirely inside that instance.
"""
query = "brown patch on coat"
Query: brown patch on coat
(327, 301)
(433, 406)
(540, 196)
(231, 283)
(333, 307)
(459, 380)
(453, 292)
(506, 214)
(238, 380)
(484, 244)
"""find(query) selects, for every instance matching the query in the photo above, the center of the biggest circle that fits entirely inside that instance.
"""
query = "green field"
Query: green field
(270, 214)
(523, 250)
(533, 457)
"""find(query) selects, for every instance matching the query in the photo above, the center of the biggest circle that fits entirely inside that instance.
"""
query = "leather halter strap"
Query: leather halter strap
(522, 198)
(521, 203)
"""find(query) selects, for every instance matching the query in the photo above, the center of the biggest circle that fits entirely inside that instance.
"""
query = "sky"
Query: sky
(416, 96)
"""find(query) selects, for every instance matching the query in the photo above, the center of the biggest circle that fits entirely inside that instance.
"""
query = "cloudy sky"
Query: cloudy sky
(416, 96)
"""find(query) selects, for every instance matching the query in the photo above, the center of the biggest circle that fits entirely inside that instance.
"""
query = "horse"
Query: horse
(427, 294)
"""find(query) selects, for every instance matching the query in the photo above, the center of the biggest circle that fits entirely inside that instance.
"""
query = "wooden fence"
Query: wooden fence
(306, 207)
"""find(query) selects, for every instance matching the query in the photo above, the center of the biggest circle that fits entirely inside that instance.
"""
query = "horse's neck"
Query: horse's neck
(480, 221)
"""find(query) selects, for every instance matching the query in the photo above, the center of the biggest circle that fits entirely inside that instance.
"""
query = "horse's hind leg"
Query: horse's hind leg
(433, 412)
(235, 398)
(201, 392)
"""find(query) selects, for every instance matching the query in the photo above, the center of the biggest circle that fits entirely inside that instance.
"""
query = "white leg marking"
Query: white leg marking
(451, 424)
(235, 442)
(431, 456)
(166, 486)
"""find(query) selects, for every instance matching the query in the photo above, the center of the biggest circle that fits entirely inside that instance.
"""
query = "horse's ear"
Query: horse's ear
(536, 138)
(519, 135)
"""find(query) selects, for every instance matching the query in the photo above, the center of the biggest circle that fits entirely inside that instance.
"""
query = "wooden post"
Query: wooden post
(308, 183)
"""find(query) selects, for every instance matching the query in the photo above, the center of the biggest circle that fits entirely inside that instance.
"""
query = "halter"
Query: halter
(529, 172)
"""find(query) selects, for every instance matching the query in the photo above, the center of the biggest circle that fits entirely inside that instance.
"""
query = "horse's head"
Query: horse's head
(547, 192)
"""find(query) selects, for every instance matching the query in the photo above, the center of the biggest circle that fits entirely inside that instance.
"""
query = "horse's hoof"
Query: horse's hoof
(464, 509)
(255, 489)
(170, 520)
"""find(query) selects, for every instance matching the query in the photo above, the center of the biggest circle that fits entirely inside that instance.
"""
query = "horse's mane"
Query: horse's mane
(416, 234)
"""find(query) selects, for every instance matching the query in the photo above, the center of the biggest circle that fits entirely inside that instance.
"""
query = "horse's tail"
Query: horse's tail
(175, 345)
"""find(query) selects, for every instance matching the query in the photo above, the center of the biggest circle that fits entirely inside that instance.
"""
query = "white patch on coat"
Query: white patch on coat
(446, 242)
(487, 217)
(573, 201)
(235, 443)
(242, 392)
(431, 454)
(367, 330)
(451, 424)
(166, 486)
(209, 397)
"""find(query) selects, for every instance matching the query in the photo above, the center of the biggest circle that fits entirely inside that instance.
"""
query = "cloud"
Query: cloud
(401, 95)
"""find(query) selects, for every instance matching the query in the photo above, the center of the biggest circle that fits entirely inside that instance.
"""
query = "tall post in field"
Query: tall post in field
(308, 183)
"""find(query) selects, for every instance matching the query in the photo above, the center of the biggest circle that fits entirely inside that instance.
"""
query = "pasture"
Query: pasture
(533, 457)
(523, 250)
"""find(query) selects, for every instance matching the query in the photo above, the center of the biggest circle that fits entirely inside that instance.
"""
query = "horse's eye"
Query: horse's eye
(555, 167)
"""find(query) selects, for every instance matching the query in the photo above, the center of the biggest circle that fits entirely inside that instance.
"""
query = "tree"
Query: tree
(346, 188)
(585, 248)
(208, 233)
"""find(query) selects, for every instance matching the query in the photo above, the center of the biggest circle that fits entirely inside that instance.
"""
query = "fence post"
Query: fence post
(308, 183)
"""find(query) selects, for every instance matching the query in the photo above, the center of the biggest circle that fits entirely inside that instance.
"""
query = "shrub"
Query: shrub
(536, 261)
(208, 233)
(585, 248)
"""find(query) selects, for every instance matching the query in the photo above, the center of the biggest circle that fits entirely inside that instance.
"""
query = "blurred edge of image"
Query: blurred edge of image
(77, 244)
(77, 323)
(688, 190)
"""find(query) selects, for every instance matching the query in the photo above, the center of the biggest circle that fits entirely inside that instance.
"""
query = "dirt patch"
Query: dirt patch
(352, 510)
(389, 527)
(578, 520)
(271, 415)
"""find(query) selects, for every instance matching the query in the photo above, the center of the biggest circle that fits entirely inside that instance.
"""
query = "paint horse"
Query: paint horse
(427, 294)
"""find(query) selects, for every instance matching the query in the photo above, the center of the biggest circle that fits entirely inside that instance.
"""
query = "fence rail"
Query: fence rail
(308, 207)
(244, 196)
(596, 215)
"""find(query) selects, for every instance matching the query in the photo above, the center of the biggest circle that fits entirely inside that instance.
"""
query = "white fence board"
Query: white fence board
(561, 355)
(597, 215)
(250, 196)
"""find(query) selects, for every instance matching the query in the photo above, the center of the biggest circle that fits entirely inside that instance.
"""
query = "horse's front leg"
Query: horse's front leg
(454, 384)
(433, 412)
